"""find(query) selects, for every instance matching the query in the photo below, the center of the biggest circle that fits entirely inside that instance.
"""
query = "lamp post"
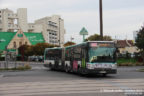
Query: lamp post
(7, 57)
(71, 38)
(101, 18)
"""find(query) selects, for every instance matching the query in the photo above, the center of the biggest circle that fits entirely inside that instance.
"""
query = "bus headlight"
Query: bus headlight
(114, 66)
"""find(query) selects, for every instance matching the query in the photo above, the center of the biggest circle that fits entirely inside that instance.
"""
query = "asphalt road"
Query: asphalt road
(42, 82)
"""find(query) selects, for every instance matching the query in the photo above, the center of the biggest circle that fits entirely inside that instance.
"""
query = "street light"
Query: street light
(71, 38)
(101, 19)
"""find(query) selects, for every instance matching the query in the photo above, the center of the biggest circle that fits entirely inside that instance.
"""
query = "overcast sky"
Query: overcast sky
(121, 17)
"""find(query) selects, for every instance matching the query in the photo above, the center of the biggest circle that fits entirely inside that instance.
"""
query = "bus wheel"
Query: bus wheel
(50, 66)
(66, 69)
(104, 75)
(83, 72)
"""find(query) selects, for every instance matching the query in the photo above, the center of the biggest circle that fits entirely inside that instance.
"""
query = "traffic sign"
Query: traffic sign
(83, 32)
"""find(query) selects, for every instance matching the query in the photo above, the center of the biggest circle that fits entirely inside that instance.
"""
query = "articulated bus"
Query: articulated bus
(94, 57)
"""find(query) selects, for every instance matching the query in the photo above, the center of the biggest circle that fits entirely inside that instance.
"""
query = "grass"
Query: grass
(25, 67)
(128, 62)
(141, 70)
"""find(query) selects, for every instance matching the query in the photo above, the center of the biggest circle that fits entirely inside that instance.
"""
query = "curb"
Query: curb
(1, 75)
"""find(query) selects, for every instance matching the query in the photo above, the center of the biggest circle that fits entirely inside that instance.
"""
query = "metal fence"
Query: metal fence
(13, 64)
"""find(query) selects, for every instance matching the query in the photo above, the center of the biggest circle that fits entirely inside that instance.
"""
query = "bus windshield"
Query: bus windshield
(101, 54)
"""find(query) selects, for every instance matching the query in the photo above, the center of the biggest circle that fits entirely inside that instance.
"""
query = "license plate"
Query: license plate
(102, 71)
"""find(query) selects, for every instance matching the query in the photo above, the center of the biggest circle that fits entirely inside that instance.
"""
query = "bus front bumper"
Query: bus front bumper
(101, 71)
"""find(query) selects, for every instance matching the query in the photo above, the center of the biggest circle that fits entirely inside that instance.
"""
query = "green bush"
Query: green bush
(27, 66)
(128, 62)
(141, 70)
(20, 68)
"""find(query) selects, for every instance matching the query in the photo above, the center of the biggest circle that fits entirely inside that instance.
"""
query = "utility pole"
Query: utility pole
(101, 19)
(59, 33)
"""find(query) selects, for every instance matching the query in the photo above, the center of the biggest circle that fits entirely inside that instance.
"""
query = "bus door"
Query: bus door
(83, 57)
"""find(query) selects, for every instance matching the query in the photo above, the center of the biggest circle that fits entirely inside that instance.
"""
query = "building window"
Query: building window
(14, 44)
(20, 43)
(25, 43)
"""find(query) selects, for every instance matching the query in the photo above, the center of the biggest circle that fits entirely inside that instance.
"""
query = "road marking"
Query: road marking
(68, 87)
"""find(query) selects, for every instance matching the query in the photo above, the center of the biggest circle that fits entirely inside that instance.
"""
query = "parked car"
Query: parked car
(35, 58)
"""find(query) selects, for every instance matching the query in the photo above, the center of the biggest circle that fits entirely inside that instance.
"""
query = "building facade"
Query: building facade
(10, 21)
(52, 27)
(125, 46)
(13, 40)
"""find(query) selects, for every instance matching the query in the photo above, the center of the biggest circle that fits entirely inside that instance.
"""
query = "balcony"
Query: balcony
(15, 26)
(12, 16)
(31, 26)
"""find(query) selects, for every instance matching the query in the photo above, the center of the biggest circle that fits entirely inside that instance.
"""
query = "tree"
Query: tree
(29, 50)
(40, 47)
(140, 41)
(97, 37)
(69, 43)
(22, 50)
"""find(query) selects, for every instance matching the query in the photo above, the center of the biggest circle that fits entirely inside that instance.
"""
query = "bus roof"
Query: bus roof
(81, 44)
(54, 48)
(89, 42)
(75, 45)
(102, 41)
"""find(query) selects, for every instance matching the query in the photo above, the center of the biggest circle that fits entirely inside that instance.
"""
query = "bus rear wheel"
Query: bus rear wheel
(104, 75)
(67, 69)
(82, 72)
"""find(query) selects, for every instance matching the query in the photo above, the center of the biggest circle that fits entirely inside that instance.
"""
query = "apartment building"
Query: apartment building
(10, 21)
(52, 27)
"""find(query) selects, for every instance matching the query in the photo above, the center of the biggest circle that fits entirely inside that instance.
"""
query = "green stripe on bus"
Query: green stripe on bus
(83, 63)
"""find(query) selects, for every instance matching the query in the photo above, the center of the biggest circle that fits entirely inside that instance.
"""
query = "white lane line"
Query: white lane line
(39, 88)
(50, 93)
(55, 86)
(51, 83)
(45, 88)
(55, 90)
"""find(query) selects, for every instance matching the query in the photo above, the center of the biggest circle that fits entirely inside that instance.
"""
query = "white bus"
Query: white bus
(95, 57)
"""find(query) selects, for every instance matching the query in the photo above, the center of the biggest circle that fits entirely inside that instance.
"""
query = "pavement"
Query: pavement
(121, 87)
(43, 82)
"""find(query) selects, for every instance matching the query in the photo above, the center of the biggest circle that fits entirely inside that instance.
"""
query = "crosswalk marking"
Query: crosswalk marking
(67, 87)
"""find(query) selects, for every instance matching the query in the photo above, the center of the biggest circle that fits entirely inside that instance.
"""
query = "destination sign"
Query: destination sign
(101, 44)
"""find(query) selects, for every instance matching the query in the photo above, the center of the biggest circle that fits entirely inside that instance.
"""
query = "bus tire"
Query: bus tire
(104, 75)
(82, 72)
(50, 66)
(66, 69)
(79, 71)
